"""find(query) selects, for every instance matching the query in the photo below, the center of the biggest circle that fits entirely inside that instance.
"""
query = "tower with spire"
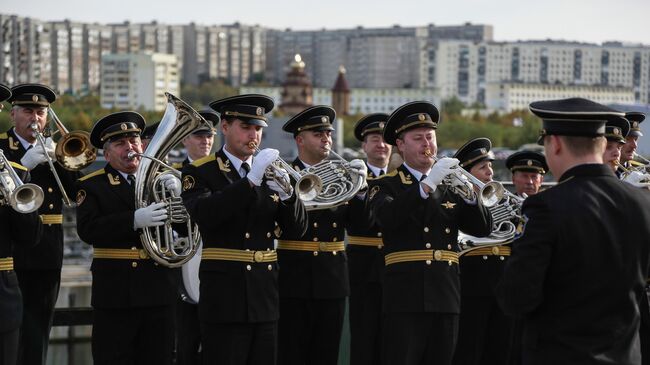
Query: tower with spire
(297, 90)
(341, 94)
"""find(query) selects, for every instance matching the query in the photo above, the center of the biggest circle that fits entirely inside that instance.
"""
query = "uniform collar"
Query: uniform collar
(374, 169)
(588, 169)
(416, 174)
(236, 163)
(23, 141)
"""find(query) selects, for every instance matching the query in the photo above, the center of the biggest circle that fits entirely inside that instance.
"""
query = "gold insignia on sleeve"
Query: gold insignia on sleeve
(113, 180)
(188, 182)
(448, 205)
(275, 197)
(373, 192)
(81, 196)
(223, 166)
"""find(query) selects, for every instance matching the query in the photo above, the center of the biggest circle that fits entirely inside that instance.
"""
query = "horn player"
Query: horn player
(132, 296)
(239, 213)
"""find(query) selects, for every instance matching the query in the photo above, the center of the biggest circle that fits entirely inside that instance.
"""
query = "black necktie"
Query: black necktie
(424, 176)
(246, 168)
(381, 172)
(131, 179)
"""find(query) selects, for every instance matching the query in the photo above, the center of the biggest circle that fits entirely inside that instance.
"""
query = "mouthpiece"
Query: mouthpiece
(428, 153)
(132, 155)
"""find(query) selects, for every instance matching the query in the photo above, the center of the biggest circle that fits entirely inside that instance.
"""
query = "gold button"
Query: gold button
(315, 239)
(495, 250)
(334, 239)
(447, 230)
(378, 234)
(315, 253)
(49, 190)
(315, 224)
(248, 250)
(134, 264)
(437, 255)
(428, 245)
(380, 247)
(270, 267)
(334, 253)
(322, 246)
(268, 234)
(133, 248)
(247, 235)
(449, 247)
(428, 262)
(51, 206)
(426, 229)
(449, 262)
(143, 254)
(334, 224)
(248, 267)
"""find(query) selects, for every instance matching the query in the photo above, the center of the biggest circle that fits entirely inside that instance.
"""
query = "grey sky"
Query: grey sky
(580, 20)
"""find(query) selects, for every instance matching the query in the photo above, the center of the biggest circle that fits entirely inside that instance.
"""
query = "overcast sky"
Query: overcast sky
(580, 20)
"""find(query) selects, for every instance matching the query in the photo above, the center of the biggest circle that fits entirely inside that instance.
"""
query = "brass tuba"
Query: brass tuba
(162, 243)
(24, 198)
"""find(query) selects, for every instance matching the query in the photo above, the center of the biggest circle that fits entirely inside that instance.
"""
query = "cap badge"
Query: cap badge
(123, 126)
(635, 124)
(323, 119)
(529, 162)
(381, 125)
(34, 98)
(483, 151)
(617, 131)
(259, 111)
(421, 117)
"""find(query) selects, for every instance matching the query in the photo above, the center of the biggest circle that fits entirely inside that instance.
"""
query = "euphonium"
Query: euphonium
(23, 198)
(162, 243)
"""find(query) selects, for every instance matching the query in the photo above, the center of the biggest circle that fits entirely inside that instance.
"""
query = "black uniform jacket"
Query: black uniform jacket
(48, 253)
(232, 214)
(105, 220)
(366, 263)
(17, 230)
(409, 222)
(321, 275)
(578, 271)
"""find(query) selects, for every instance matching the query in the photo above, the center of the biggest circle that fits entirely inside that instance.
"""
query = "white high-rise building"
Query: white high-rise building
(140, 80)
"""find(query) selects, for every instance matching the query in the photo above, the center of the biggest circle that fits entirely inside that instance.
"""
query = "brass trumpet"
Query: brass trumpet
(23, 198)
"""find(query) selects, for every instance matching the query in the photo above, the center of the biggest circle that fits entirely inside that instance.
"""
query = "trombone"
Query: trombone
(73, 151)
(23, 198)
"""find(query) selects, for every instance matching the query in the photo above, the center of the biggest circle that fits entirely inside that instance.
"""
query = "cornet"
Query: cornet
(23, 198)
(73, 151)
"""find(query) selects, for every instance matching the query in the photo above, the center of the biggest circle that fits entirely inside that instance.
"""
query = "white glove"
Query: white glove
(151, 216)
(273, 185)
(263, 159)
(359, 166)
(635, 178)
(171, 183)
(37, 155)
(440, 169)
(50, 147)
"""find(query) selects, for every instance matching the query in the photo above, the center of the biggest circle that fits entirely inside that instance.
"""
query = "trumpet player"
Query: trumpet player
(420, 217)
(314, 277)
(632, 139)
(18, 230)
(38, 266)
(236, 208)
(365, 249)
(484, 331)
(132, 295)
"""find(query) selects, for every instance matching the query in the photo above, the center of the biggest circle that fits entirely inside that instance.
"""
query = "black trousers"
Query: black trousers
(644, 329)
(310, 331)
(239, 343)
(129, 336)
(9, 347)
(365, 323)
(483, 332)
(188, 333)
(419, 338)
(40, 288)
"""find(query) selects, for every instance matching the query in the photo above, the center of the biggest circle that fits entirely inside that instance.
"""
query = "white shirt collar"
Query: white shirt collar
(375, 170)
(305, 164)
(23, 141)
(236, 163)
(416, 174)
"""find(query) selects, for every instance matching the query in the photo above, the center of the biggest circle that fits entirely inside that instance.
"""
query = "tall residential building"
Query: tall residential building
(139, 80)
(466, 69)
